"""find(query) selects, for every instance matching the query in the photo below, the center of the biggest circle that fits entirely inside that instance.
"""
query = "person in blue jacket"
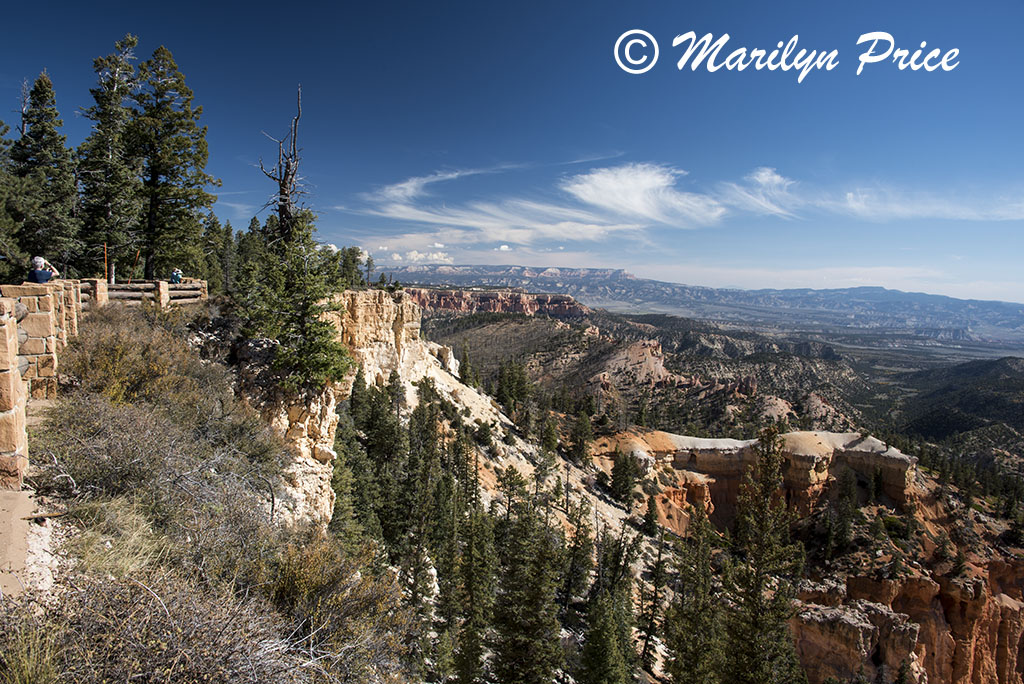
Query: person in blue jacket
(42, 270)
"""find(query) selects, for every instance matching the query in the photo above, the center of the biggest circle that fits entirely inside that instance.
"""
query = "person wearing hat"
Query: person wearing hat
(42, 270)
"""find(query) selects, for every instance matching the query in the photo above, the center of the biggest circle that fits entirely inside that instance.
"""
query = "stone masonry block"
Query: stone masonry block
(9, 346)
(39, 325)
(10, 389)
(12, 471)
(27, 365)
(35, 345)
(47, 365)
(24, 290)
(43, 388)
(12, 425)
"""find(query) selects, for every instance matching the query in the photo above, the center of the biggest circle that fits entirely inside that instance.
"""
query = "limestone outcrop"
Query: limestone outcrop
(497, 301)
(811, 459)
(956, 630)
(382, 331)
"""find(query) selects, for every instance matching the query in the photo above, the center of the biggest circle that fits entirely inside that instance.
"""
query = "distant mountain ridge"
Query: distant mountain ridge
(870, 308)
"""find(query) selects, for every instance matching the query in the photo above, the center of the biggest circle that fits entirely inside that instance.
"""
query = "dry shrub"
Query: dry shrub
(152, 630)
(209, 503)
(121, 354)
(140, 355)
(354, 622)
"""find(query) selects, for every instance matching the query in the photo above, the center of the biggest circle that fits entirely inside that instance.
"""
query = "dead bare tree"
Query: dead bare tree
(286, 174)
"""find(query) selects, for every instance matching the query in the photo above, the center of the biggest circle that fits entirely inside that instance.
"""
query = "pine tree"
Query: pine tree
(526, 642)
(213, 248)
(579, 441)
(613, 580)
(110, 186)
(364, 489)
(650, 524)
(579, 551)
(167, 138)
(625, 473)
(419, 496)
(759, 581)
(287, 293)
(693, 625)
(48, 225)
(477, 569)
(549, 435)
(349, 268)
(602, 660)
(649, 624)
(344, 521)
(12, 197)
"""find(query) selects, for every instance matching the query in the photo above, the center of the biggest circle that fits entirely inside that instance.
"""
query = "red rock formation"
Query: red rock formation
(497, 301)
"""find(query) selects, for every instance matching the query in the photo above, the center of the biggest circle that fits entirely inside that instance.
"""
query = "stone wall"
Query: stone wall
(13, 397)
(36, 322)
(93, 293)
(41, 332)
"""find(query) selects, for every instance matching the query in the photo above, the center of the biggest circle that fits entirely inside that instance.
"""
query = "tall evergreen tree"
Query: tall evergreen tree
(693, 626)
(579, 440)
(625, 473)
(477, 568)
(167, 138)
(602, 660)
(109, 177)
(578, 556)
(613, 581)
(287, 291)
(526, 645)
(12, 209)
(759, 580)
(49, 225)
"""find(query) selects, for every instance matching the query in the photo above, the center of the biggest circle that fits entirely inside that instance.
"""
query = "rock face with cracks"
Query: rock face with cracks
(497, 301)
(382, 332)
(811, 458)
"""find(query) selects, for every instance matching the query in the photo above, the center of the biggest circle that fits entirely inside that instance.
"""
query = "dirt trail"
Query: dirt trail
(14, 539)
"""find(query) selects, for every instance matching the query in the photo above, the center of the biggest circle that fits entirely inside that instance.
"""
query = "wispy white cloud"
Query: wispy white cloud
(890, 204)
(764, 191)
(645, 192)
(415, 187)
(630, 199)
(240, 210)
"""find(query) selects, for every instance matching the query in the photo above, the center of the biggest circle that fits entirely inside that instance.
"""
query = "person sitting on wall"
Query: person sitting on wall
(176, 275)
(42, 270)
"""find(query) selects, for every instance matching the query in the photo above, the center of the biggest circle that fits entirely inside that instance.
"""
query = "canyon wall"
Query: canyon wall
(811, 458)
(497, 301)
(382, 332)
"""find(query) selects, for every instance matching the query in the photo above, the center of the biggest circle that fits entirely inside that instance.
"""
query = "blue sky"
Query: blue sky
(478, 132)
